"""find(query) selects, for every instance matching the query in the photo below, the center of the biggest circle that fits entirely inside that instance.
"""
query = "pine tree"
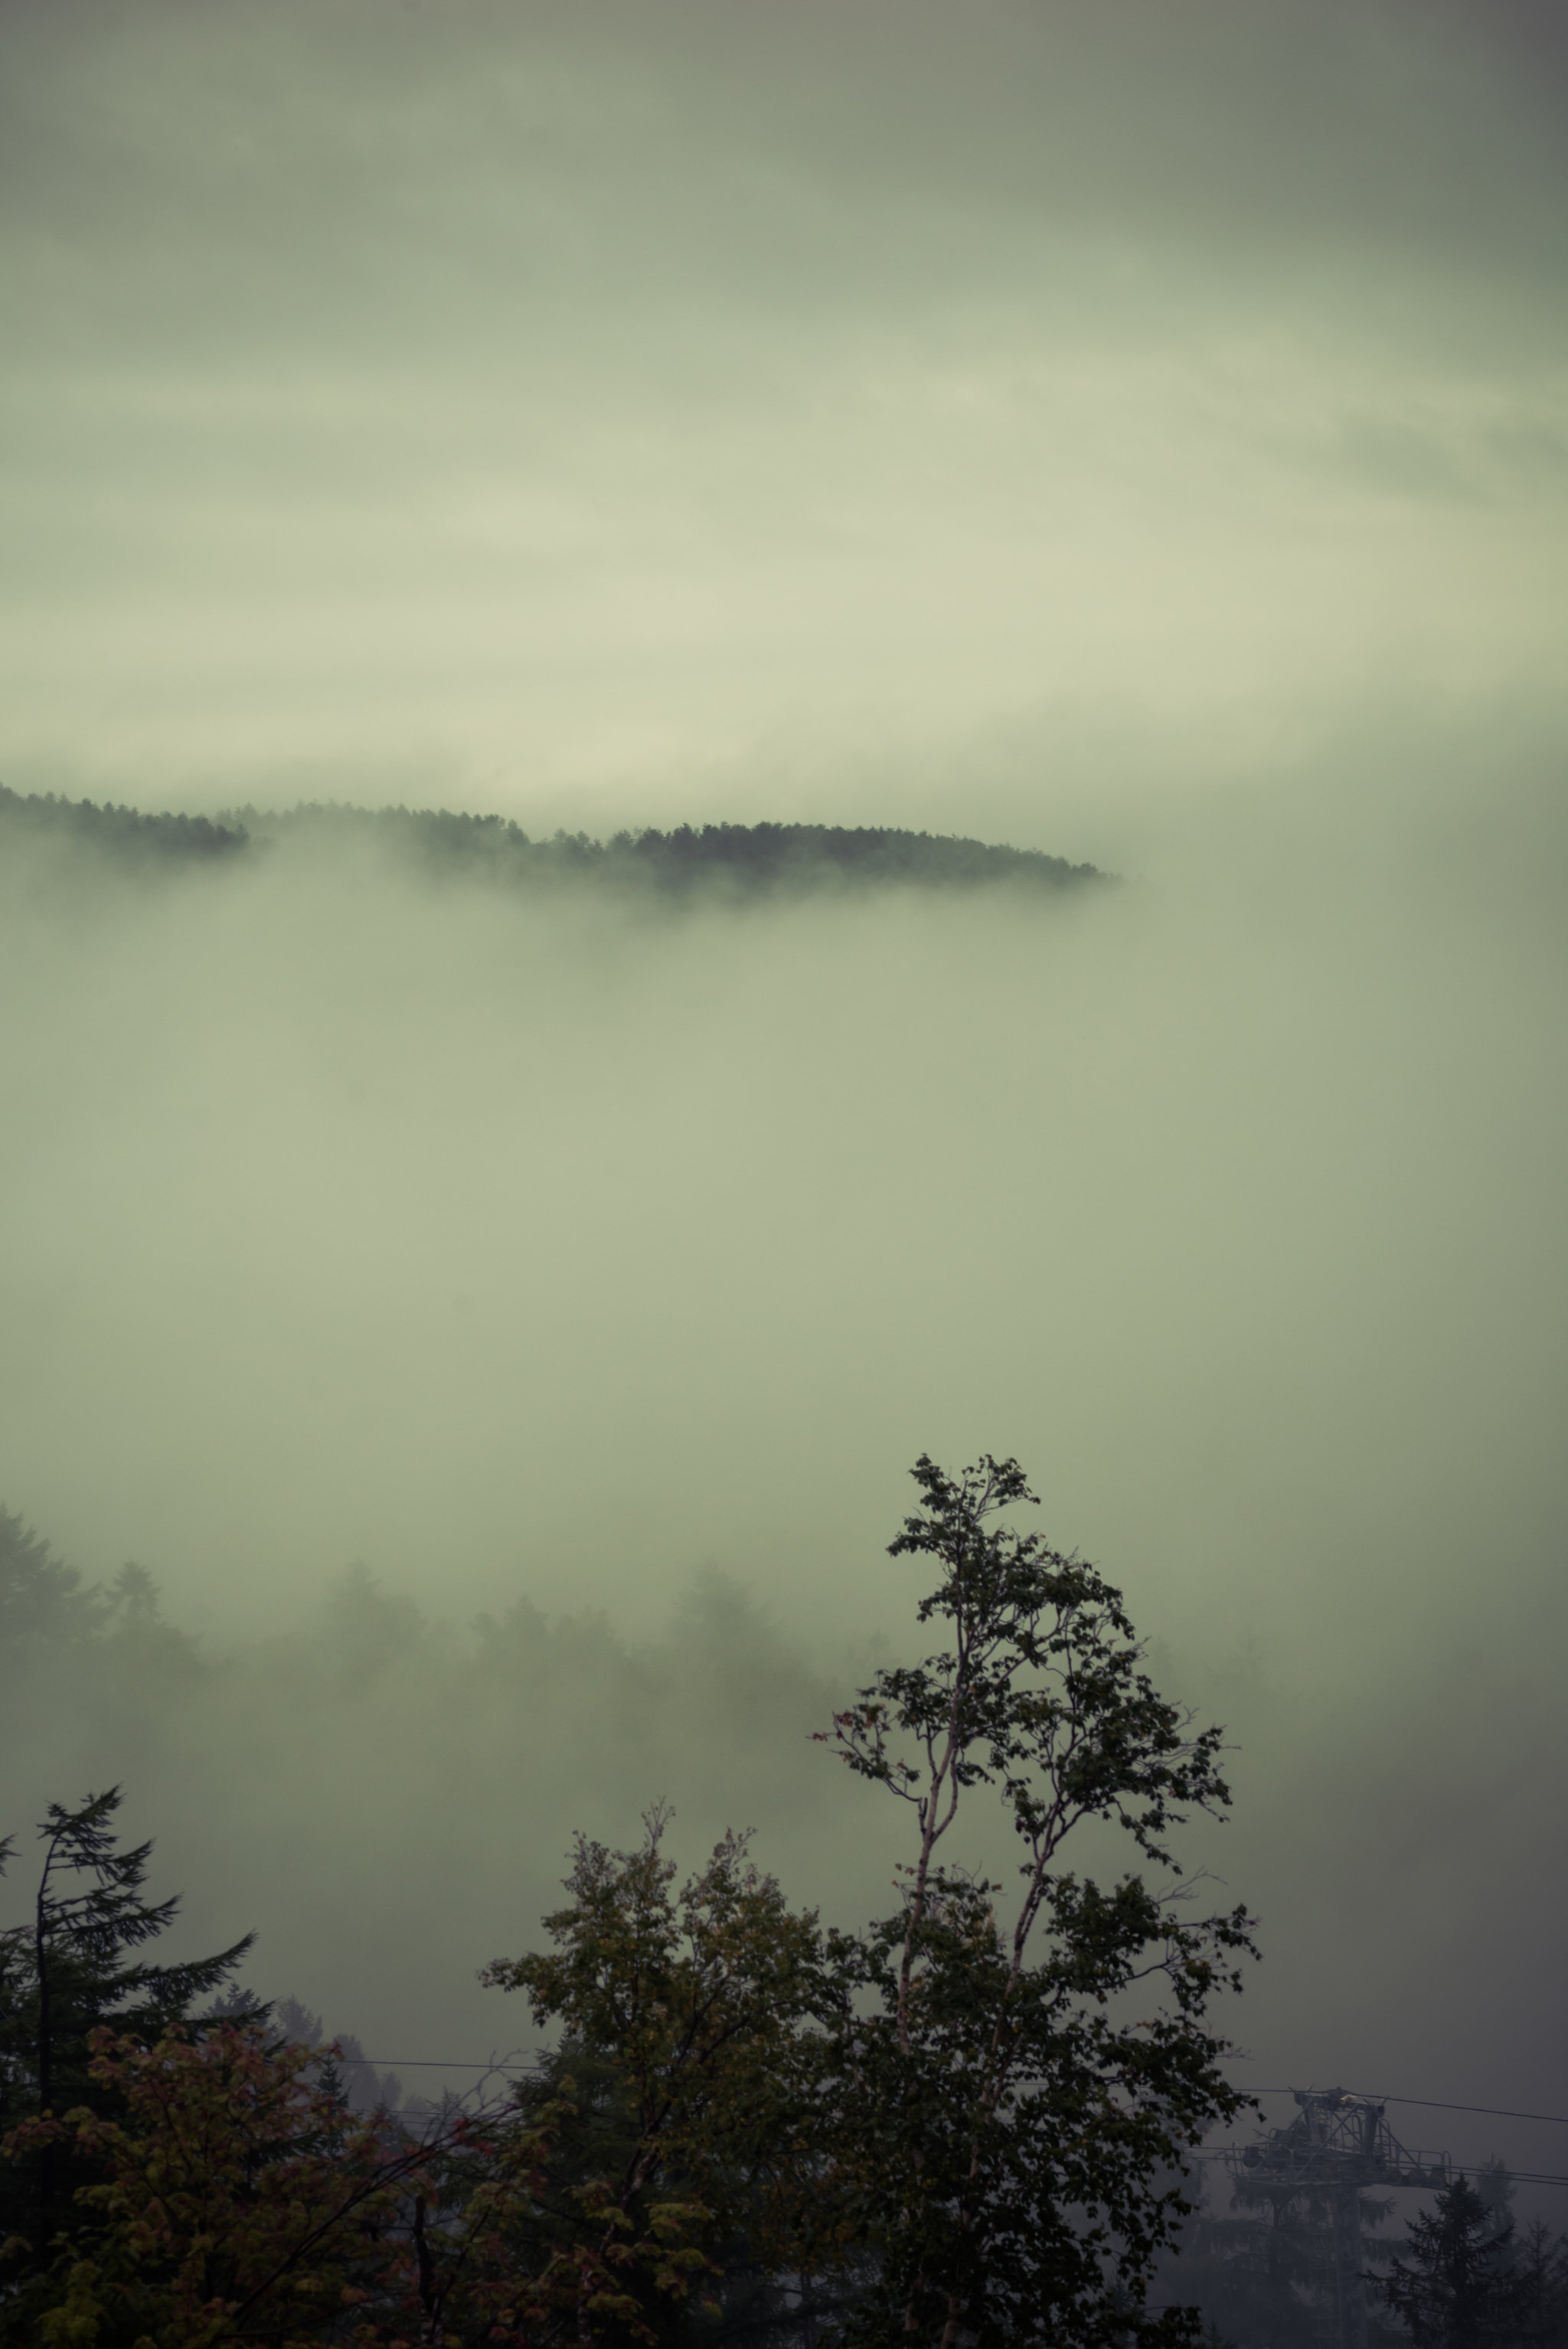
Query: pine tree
(1458, 2289)
(72, 1967)
(1540, 2268)
(1258, 2269)
(41, 1598)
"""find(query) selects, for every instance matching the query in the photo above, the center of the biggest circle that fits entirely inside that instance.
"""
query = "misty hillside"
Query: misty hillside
(735, 859)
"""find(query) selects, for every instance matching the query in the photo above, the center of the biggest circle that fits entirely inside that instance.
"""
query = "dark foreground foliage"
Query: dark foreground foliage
(733, 2141)
(1465, 2281)
(733, 860)
(949, 2128)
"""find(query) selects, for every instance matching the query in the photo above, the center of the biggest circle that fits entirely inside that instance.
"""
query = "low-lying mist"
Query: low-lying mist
(501, 1324)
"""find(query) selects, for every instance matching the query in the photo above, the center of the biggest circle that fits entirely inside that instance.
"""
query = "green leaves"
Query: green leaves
(1039, 1691)
(965, 2121)
(952, 2111)
(1013, 2139)
(235, 2198)
(696, 2004)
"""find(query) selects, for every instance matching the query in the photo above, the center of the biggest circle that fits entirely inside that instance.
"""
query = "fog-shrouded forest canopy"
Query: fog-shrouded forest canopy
(745, 858)
(737, 740)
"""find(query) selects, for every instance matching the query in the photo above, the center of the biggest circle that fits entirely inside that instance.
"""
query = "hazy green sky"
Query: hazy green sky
(648, 408)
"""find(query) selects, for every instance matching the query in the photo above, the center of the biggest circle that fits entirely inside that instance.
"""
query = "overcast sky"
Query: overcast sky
(646, 410)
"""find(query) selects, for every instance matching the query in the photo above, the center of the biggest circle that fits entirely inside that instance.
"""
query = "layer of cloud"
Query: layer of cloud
(524, 403)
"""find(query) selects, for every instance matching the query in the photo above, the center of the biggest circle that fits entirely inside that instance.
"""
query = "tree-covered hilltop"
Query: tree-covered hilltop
(752, 859)
(747, 860)
(122, 834)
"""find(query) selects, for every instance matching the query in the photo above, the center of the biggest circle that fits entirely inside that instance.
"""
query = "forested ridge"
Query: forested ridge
(735, 859)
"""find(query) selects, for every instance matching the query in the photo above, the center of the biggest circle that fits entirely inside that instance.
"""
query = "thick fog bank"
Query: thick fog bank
(541, 1252)
(349, 1215)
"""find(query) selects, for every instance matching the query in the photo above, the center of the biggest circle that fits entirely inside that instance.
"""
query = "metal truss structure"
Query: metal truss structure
(1338, 2148)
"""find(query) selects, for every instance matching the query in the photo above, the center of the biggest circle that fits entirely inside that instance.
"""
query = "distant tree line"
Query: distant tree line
(727, 859)
(124, 835)
(948, 2127)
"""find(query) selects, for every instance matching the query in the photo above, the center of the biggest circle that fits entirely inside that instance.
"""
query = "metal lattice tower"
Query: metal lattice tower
(1337, 2148)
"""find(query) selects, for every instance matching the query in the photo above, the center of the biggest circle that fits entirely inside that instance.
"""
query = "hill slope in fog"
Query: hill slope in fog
(735, 859)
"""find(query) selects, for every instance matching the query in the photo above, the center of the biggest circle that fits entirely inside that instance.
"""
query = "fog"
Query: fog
(1021, 423)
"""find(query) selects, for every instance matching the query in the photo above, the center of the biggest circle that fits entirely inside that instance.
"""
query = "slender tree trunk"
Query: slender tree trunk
(45, 2067)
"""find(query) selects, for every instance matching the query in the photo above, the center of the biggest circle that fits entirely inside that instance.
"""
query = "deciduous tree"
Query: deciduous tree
(689, 2057)
(1019, 2078)
(235, 2197)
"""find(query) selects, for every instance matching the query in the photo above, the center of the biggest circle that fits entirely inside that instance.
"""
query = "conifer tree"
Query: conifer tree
(1458, 2288)
(40, 1597)
(73, 1967)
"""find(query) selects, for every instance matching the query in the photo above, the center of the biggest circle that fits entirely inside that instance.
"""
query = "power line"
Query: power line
(1432, 2103)
(1429, 2104)
(1460, 2169)
(451, 2063)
